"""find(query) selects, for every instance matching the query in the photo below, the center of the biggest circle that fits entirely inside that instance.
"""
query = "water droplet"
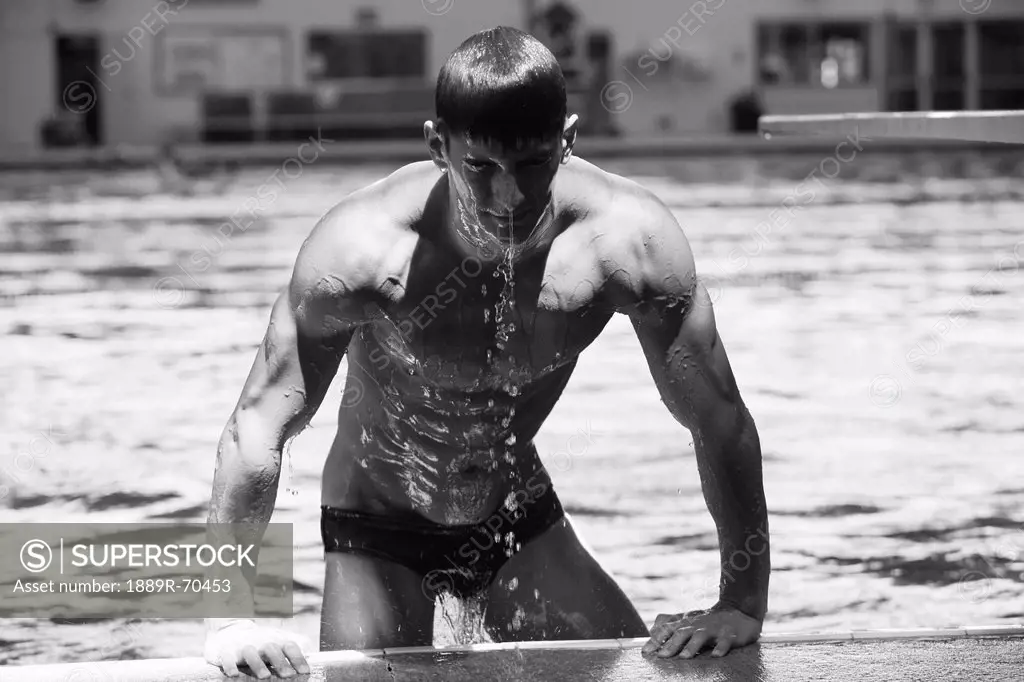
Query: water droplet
(490, 402)
(483, 289)
(511, 440)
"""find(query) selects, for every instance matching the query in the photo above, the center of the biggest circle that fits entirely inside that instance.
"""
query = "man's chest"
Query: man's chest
(473, 325)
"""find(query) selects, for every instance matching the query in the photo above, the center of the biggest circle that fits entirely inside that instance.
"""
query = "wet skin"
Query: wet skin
(446, 420)
(441, 409)
(443, 399)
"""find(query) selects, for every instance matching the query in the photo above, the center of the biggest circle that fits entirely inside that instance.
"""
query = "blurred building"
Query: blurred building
(146, 71)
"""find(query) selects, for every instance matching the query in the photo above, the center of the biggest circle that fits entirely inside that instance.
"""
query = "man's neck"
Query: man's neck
(471, 240)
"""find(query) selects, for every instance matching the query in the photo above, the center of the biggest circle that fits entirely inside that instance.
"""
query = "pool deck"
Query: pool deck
(403, 151)
(967, 653)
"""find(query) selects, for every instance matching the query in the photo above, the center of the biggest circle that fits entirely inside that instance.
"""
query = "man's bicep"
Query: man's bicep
(296, 362)
(676, 327)
(327, 280)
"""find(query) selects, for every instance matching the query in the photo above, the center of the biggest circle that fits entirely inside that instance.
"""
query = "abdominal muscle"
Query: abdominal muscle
(408, 447)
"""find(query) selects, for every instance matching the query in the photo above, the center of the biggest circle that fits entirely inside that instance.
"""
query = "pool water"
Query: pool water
(876, 331)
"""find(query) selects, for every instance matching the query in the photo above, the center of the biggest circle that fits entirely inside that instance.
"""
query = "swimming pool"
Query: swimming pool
(878, 340)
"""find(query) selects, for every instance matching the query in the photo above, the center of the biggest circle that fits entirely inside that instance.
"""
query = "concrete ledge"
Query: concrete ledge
(994, 631)
(378, 664)
(908, 634)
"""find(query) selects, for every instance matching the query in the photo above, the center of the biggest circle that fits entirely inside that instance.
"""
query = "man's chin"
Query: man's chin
(506, 231)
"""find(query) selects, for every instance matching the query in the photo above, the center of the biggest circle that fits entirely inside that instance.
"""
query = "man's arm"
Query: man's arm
(675, 324)
(310, 327)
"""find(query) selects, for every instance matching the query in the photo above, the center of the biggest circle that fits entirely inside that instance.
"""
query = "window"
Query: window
(826, 55)
(1001, 44)
(366, 54)
(901, 93)
(949, 83)
(196, 58)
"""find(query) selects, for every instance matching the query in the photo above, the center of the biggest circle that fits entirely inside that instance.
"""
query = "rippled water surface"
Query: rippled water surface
(876, 331)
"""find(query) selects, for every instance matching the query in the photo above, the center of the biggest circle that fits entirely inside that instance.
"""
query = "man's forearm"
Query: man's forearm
(247, 474)
(729, 461)
(245, 486)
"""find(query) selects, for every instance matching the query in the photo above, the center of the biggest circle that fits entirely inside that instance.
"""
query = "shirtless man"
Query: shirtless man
(448, 383)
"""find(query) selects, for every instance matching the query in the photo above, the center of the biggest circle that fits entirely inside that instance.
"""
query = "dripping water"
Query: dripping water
(287, 454)
(503, 319)
(465, 617)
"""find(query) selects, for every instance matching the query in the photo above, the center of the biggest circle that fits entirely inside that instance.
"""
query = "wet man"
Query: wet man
(463, 290)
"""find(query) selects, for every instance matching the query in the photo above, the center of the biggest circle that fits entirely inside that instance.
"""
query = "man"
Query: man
(463, 290)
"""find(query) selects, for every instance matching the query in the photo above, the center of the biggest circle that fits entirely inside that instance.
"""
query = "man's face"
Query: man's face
(503, 192)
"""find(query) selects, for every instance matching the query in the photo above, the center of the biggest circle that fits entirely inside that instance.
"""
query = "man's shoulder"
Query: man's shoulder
(357, 239)
(370, 217)
(630, 220)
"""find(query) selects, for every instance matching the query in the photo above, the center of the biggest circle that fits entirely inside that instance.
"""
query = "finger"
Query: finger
(664, 631)
(675, 643)
(665, 618)
(693, 647)
(228, 662)
(659, 635)
(294, 653)
(255, 663)
(272, 652)
(725, 642)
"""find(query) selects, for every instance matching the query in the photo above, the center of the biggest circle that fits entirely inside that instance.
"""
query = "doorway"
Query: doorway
(78, 86)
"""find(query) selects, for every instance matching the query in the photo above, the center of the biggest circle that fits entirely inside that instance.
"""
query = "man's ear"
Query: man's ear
(569, 136)
(434, 137)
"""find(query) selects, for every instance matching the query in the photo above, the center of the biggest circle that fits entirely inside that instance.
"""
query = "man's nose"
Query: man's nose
(505, 191)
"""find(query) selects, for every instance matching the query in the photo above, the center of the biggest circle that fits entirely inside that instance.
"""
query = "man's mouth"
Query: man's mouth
(500, 215)
(520, 216)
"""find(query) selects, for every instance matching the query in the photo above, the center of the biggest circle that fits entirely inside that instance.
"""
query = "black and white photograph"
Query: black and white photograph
(387, 340)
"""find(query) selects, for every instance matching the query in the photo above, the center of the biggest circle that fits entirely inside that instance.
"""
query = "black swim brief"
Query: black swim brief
(462, 559)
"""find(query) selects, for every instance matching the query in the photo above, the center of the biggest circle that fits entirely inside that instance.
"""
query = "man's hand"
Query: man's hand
(245, 643)
(724, 627)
